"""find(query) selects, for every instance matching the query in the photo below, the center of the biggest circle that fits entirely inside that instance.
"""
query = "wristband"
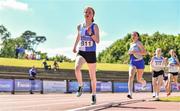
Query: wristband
(91, 34)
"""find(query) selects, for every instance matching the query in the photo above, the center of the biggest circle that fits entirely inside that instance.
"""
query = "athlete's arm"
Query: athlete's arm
(130, 51)
(95, 37)
(164, 62)
(177, 60)
(77, 40)
(142, 49)
(141, 52)
(151, 64)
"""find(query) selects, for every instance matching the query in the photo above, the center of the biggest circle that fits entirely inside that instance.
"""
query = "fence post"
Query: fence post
(42, 91)
(67, 86)
(13, 86)
(112, 86)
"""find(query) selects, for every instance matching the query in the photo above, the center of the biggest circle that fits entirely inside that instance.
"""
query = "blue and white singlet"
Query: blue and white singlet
(87, 44)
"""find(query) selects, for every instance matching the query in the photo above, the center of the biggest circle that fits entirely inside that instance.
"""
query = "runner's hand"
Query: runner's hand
(74, 50)
(89, 31)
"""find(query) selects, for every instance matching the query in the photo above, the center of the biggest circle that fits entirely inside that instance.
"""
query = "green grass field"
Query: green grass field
(171, 99)
(64, 65)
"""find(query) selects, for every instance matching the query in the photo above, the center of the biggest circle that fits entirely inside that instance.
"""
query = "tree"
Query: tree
(8, 49)
(4, 34)
(61, 58)
(32, 40)
(5, 38)
(28, 40)
(118, 51)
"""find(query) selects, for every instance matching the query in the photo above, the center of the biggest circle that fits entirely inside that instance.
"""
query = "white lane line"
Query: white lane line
(36, 99)
(40, 105)
(87, 108)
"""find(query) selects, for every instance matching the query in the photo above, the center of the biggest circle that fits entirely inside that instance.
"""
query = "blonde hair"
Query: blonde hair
(157, 50)
(172, 51)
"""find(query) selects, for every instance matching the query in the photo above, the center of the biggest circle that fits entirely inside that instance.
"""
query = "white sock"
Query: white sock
(80, 85)
(93, 94)
(130, 93)
(157, 94)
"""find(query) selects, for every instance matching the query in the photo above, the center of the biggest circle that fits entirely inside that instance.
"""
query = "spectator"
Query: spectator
(32, 76)
(55, 66)
(33, 57)
(47, 58)
(21, 52)
(17, 51)
(26, 56)
(46, 66)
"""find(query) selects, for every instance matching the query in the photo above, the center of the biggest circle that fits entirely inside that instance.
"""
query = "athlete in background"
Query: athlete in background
(137, 64)
(157, 65)
(174, 67)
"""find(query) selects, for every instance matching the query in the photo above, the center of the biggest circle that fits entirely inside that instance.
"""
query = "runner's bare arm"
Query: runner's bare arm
(95, 37)
(142, 49)
(77, 39)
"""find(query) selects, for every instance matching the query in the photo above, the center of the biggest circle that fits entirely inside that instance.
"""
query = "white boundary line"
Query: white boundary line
(87, 108)
(107, 105)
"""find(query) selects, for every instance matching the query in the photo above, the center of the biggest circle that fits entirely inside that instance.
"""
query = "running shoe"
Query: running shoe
(79, 92)
(143, 88)
(129, 96)
(154, 95)
(93, 100)
(157, 98)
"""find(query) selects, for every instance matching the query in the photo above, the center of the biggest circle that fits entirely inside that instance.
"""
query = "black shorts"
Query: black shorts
(90, 57)
(174, 73)
(157, 73)
(165, 77)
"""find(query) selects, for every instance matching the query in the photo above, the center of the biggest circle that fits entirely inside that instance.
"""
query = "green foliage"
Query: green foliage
(42, 55)
(118, 51)
(4, 34)
(28, 40)
(32, 40)
(61, 58)
(8, 49)
(6, 42)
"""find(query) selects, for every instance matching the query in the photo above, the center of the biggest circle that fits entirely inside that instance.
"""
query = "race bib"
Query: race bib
(158, 63)
(87, 43)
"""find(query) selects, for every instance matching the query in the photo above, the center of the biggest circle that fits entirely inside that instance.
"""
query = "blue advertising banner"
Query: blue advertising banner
(86, 87)
(22, 85)
(104, 86)
(73, 86)
(175, 87)
(6, 85)
(36, 85)
(54, 86)
(27, 85)
(162, 88)
(138, 87)
(98, 86)
(120, 87)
